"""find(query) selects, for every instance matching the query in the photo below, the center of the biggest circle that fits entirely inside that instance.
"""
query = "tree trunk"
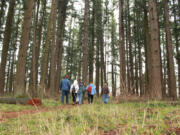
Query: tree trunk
(6, 41)
(113, 83)
(164, 93)
(21, 65)
(147, 51)
(85, 43)
(156, 71)
(11, 77)
(91, 50)
(121, 49)
(177, 44)
(60, 32)
(33, 73)
(3, 3)
(170, 60)
(46, 52)
(53, 53)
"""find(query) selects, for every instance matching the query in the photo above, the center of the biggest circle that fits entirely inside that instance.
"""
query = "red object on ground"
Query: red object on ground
(34, 101)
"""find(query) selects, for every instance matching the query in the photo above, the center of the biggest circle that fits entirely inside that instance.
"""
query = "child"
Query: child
(105, 90)
(91, 92)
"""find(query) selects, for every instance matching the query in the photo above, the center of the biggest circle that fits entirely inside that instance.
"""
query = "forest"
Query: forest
(132, 45)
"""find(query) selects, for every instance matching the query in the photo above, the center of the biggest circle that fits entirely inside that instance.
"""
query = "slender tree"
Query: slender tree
(62, 9)
(46, 51)
(177, 41)
(33, 74)
(170, 61)
(6, 41)
(121, 49)
(91, 49)
(85, 43)
(53, 53)
(3, 3)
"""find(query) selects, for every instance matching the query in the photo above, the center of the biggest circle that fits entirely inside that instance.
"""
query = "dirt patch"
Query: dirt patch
(6, 115)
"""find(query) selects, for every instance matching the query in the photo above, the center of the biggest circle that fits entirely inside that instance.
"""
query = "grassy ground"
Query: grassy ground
(126, 118)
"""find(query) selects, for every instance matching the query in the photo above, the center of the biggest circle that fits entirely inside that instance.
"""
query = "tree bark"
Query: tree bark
(21, 65)
(53, 53)
(46, 52)
(170, 60)
(156, 71)
(6, 41)
(177, 43)
(91, 54)
(121, 50)
(147, 51)
(3, 3)
(33, 74)
(85, 43)
(62, 8)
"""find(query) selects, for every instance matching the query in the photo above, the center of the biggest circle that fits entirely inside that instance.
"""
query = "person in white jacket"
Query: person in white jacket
(74, 90)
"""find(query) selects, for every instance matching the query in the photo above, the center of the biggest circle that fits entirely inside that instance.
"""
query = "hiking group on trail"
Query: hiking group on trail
(78, 91)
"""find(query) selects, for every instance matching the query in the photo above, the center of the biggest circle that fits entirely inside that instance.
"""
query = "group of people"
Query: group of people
(78, 91)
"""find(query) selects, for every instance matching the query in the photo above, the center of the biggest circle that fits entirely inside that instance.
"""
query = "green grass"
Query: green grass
(128, 118)
(46, 103)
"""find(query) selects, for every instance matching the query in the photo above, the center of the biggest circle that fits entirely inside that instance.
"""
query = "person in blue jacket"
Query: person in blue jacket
(91, 89)
(64, 87)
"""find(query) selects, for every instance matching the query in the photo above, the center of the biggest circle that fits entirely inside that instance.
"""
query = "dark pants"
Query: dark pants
(83, 97)
(64, 93)
(90, 98)
(74, 95)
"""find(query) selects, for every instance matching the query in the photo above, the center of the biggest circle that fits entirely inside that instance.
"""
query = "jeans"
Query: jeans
(64, 93)
(79, 97)
(105, 98)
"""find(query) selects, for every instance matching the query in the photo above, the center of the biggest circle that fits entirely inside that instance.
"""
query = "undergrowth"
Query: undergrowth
(126, 118)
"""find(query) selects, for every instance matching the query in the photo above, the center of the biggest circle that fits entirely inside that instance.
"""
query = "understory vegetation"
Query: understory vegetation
(124, 118)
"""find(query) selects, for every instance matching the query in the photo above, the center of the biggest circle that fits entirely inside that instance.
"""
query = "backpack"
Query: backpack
(89, 89)
(81, 88)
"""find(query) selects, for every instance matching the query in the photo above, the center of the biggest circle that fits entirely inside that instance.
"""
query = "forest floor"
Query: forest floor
(115, 118)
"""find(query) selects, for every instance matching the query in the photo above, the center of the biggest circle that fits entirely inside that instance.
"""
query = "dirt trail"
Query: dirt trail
(6, 115)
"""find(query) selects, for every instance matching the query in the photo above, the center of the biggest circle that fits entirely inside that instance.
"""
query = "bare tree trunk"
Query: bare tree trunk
(3, 3)
(21, 65)
(6, 41)
(147, 51)
(53, 53)
(121, 49)
(130, 51)
(60, 32)
(177, 44)
(164, 93)
(85, 43)
(170, 60)
(156, 71)
(91, 55)
(11, 77)
(46, 51)
(33, 74)
(113, 83)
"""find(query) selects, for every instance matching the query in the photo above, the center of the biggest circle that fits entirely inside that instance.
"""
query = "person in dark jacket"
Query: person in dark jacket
(80, 92)
(105, 90)
(64, 87)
